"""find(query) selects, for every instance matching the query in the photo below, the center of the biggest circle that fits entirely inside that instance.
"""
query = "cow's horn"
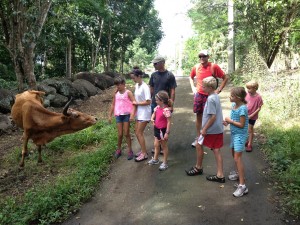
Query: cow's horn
(65, 110)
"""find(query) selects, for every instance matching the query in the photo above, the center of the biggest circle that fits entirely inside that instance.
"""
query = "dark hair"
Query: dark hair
(137, 72)
(164, 97)
(240, 93)
(119, 80)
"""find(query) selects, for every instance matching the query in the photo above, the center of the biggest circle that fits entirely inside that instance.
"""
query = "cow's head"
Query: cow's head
(78, 120)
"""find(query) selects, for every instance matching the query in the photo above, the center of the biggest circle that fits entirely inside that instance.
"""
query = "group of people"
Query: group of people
(155, 103)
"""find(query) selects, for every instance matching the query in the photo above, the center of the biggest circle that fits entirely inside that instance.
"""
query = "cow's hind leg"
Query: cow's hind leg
(24, 149)
(40, 154)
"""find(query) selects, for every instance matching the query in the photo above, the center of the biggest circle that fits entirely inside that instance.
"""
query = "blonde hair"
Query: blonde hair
(252, 84)
(164, 97)
(240, 93)
(210, 82)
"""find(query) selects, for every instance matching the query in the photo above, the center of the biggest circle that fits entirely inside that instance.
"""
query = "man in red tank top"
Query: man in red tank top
(200, 71)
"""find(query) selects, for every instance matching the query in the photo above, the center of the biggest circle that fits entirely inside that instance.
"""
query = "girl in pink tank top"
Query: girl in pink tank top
(124, 111)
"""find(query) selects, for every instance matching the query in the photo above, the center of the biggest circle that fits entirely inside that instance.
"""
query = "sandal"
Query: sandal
(141, 157)
(215, 178)
(194, 171)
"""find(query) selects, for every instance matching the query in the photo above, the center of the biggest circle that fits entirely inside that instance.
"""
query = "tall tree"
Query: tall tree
(22, 23)
(268, 22)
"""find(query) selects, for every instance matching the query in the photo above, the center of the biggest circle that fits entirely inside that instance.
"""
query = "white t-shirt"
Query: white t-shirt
(141, 94)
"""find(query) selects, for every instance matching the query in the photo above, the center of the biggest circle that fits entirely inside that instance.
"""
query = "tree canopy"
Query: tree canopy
(60, 38)
(272, 25)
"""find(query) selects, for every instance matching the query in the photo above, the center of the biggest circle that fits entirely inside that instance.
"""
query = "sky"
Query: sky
(175, 24)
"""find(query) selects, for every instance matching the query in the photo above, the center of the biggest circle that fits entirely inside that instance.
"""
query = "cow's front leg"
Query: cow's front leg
(24, 149)
(40, 154)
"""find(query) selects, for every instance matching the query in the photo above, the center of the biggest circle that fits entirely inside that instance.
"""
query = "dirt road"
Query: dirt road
(136, 193)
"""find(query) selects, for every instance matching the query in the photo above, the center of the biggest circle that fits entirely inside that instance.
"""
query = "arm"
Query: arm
(131, 97)
(194, 90)
(255, 112)
(172, 94)
(223, 84)
(147, 102)
(240, 124)
(210, 122)
(153, 118)
(166, 137)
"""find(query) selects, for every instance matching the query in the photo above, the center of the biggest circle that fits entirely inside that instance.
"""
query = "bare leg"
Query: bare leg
(156, 148)
(251, 135)
(198, 123)
(120, 134)
(240, 166)
(127, 135)
(164, 145)
(219, 161)
(200, 156)
(139, 132)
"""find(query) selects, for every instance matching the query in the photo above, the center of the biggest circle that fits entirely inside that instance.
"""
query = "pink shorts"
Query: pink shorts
(213, 141)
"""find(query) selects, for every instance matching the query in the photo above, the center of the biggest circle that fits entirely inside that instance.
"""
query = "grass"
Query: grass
(280, 128)
(79, 175)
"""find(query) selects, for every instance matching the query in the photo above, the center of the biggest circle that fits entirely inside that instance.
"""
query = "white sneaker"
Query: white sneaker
(195, 143)
(163, 166)
(240, 191)
(233, 175)
(153, 161)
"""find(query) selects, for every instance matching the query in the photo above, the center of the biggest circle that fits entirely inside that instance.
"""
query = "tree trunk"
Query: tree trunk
(95, 57)
(108, 59)
(28, 68)
(230, 50)
(69, 59)
(290, 16)
(21, 33)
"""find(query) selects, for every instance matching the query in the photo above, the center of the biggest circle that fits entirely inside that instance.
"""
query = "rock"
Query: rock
(6, 100)
(5, 123)
(59, 100)
(90, 89)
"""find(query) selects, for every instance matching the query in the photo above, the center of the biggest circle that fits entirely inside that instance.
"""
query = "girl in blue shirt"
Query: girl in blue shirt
(239, 132)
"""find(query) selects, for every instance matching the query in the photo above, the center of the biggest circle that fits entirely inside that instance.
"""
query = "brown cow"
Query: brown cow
(42, 125)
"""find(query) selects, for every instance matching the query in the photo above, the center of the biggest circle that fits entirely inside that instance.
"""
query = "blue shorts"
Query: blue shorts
(122, 118)
(238, 142)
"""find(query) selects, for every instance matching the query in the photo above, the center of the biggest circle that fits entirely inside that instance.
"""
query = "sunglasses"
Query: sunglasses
(155, 63)
(202, 56)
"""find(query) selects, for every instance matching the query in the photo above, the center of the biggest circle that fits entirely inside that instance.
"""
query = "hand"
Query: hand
(152, 120)
(228, 120)
(131, 119)
(109, 119)
(225, 123)
(134, 103)
(194, 90)
(166, 136)
(203, 132)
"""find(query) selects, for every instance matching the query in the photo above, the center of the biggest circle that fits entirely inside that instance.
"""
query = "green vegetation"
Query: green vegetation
(280, 127)
(79, 174)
